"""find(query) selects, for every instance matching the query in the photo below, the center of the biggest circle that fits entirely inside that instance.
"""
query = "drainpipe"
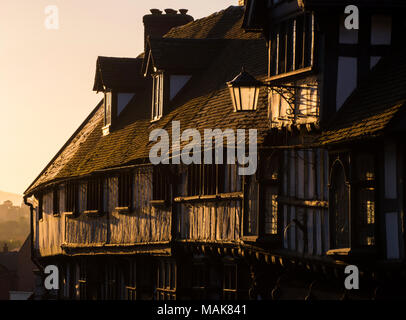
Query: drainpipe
(33, 258)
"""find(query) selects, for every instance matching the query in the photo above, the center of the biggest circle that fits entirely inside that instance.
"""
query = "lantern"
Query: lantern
(244, 90)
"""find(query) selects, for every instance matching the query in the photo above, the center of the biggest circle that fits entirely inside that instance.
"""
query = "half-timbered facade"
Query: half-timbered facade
(119, 227)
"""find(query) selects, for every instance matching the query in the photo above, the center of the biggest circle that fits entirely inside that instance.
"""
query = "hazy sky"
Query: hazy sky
(46, 76)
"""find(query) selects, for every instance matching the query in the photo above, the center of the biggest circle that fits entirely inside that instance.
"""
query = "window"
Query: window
(123, 99)
(125, 190)
(108, 104)
(40, 207)
(202, 179)
(55, 195)
(131, 288)
(200, 280)
(94, 194)
(113, 282)
(271, 211)
(339, 201)
(292, 45)
(211, 179)
(230, 282)
(161, 190)
(251, 209)
(157, 96)
(269, 191)
(381, 30)
(347, 77)
(82, 281)
(177, 83)
(71, 271)
(166, 280)
(355, 230)
(72, 191)
(365, 166)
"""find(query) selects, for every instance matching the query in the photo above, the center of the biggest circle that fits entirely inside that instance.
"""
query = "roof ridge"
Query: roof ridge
(214, 14)
(110, 57)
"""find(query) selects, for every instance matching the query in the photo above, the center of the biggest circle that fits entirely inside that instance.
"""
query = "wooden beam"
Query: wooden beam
(303, 203)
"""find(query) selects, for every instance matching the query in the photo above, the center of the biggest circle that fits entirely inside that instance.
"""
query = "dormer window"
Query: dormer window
(157, 96)
(114, 104)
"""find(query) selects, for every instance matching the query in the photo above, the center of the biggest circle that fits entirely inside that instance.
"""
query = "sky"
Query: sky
(46, 75)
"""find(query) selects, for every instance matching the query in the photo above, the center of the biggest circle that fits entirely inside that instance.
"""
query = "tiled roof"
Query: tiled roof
(371, 108)
(203, 103)
(118, 73)
(225, 24)
(183, 55)
(342, 3)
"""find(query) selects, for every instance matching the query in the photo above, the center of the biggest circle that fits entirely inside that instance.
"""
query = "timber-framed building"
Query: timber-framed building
(328, 191)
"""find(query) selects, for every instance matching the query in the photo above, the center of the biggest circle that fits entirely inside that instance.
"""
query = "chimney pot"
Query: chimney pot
(157, 24)
(183, 11)
(171, 11)
(156, 12)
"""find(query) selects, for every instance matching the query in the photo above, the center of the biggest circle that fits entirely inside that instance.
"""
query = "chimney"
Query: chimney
(157, 24)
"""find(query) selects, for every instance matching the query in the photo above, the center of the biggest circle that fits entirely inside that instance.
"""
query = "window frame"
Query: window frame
(213, 179)
(355, 185)
(108, 98)
(41, 207)
(157, 96)
(338, 164)
(229, 293)
(95, 195)
(131, 283)
(366, 183)
(200, 281)
(56, 201)
(161, 185)
(287, 31)
(125, 183)
(72, 198)
(166, 280)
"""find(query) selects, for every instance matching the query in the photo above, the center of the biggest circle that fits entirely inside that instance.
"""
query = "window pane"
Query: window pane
(252, 210)
(299, 49)
(173, 276)
(289, 46)
(340, 208)
(282, 49)
(365, 164)
(237, 97)
(271, 211)
(308, 40)
(107, 105)
(366, 219)
(273, 54)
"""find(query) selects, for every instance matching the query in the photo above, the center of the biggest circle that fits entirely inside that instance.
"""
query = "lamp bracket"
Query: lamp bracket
(290, 94)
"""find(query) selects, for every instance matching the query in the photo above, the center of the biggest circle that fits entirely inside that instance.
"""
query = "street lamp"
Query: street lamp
(244, 90)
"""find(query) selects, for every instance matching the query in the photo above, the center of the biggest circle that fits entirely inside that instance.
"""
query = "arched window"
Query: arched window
(340, 210)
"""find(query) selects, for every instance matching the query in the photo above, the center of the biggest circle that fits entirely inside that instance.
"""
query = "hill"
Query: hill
(15, 198)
